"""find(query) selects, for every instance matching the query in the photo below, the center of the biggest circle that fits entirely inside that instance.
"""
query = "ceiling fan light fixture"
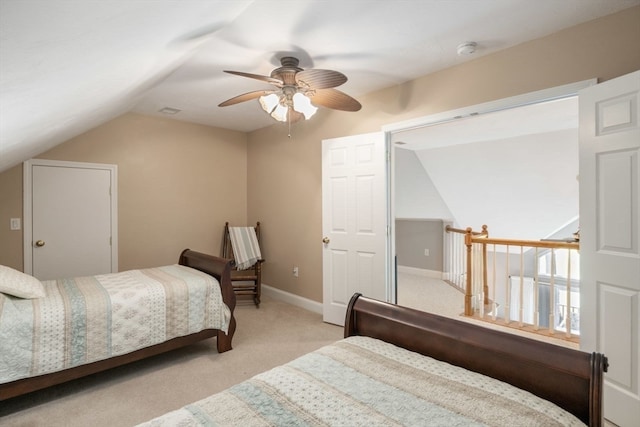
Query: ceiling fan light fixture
(280, 113)
(291, 101)
(302, 104)
(269, 102)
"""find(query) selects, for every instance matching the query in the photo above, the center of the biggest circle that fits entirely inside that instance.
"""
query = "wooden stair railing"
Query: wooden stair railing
(477, 274)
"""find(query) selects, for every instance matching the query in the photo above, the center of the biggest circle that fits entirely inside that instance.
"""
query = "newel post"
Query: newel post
(468, 294)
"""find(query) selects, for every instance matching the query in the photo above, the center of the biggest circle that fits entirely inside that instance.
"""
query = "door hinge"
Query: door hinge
(110, 241)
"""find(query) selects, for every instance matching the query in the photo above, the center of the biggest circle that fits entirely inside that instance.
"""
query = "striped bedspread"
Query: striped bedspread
(85, 319)
(362, 381)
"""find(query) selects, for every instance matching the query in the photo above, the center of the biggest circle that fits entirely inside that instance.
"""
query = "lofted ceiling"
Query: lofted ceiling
(516, 175)
(67, 66)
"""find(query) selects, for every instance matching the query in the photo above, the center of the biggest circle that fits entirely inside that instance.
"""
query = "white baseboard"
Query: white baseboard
(421, 272)
(292, 299)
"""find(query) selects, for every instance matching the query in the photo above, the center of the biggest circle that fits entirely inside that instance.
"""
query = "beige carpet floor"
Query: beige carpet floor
(266, 337)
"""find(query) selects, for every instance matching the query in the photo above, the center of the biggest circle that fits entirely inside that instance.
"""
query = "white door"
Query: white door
(69, 219)
(609, 240)
(354, 221)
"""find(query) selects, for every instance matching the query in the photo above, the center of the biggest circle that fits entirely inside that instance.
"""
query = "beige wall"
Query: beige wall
(269, 177)
(10, 207)
(177, 185)
(289, 170)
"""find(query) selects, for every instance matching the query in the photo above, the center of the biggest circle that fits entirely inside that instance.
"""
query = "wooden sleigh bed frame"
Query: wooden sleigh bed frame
(217, 267)
(569, 378)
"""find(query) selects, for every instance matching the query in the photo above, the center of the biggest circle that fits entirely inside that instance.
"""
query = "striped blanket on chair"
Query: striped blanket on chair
(246, 250)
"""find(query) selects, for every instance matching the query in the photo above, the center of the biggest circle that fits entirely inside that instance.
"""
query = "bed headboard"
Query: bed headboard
(569, 378)
(217, 267)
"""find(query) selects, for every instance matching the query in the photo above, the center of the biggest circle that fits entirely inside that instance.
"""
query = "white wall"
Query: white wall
(523, 188)
(415, 194)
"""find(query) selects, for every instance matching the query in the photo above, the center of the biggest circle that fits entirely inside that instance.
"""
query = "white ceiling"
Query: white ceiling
(67, 66)
(514, 170)
(538, 118)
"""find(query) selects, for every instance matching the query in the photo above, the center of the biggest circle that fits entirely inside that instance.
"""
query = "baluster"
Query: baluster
(521, 311)
(493, 284)
(507, 306)
(552, 293)
(536, 309)
(457, 254)
(567, 315)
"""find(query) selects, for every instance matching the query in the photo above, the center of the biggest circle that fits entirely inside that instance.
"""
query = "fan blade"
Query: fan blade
(246, 97)
(267, 79)
(320, 79)
(333, 98)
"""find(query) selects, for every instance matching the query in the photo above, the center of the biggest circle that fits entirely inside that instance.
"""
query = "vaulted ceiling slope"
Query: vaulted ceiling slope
(67, 66)
(502, 169)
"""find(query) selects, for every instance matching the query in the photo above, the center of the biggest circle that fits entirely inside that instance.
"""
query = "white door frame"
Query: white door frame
(558, 92)
(27, 213)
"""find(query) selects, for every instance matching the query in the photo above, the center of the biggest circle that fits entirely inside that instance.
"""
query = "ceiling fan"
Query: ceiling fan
(296, 90)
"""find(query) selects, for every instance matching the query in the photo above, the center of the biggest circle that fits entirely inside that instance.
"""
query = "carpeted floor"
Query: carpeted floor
(266, 337)
(435, 296)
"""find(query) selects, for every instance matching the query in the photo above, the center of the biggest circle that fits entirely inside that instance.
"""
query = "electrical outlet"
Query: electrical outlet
(426, 252)
(295, 271)
(15, 224)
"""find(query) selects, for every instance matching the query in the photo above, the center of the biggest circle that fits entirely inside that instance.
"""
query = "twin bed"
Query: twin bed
(398, 366)
(69, 328)
(395, 366)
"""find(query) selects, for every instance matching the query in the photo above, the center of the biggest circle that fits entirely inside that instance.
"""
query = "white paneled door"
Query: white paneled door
(70, 224)
(610, 238)
(354, 221)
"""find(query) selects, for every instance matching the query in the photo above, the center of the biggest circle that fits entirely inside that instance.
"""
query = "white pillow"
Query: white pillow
(18, 284)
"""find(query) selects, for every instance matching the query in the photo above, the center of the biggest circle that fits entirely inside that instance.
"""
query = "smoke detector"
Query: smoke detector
(467, 48)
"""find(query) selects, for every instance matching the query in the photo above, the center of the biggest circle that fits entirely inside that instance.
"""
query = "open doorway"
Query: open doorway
(511, 164)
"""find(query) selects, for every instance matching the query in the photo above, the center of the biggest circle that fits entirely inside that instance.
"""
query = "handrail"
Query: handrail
(484, 231)
(480, 296)
(550, 244)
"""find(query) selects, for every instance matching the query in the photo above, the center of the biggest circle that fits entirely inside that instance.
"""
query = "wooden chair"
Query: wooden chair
(245, 282)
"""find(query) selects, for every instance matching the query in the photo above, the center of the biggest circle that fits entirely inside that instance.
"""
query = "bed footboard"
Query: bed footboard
(219, 268)
(569, 378)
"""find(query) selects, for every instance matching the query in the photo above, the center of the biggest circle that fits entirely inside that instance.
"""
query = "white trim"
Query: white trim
(292, 299)
(28, 212)
(421, 272)
(557, 92)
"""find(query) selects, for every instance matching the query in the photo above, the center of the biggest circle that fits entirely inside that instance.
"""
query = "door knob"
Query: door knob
(326, 240)
(40, 243)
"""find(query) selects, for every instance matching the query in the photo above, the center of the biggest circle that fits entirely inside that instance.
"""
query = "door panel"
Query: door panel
(354, 221)
(71, 220)
(610, 232)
